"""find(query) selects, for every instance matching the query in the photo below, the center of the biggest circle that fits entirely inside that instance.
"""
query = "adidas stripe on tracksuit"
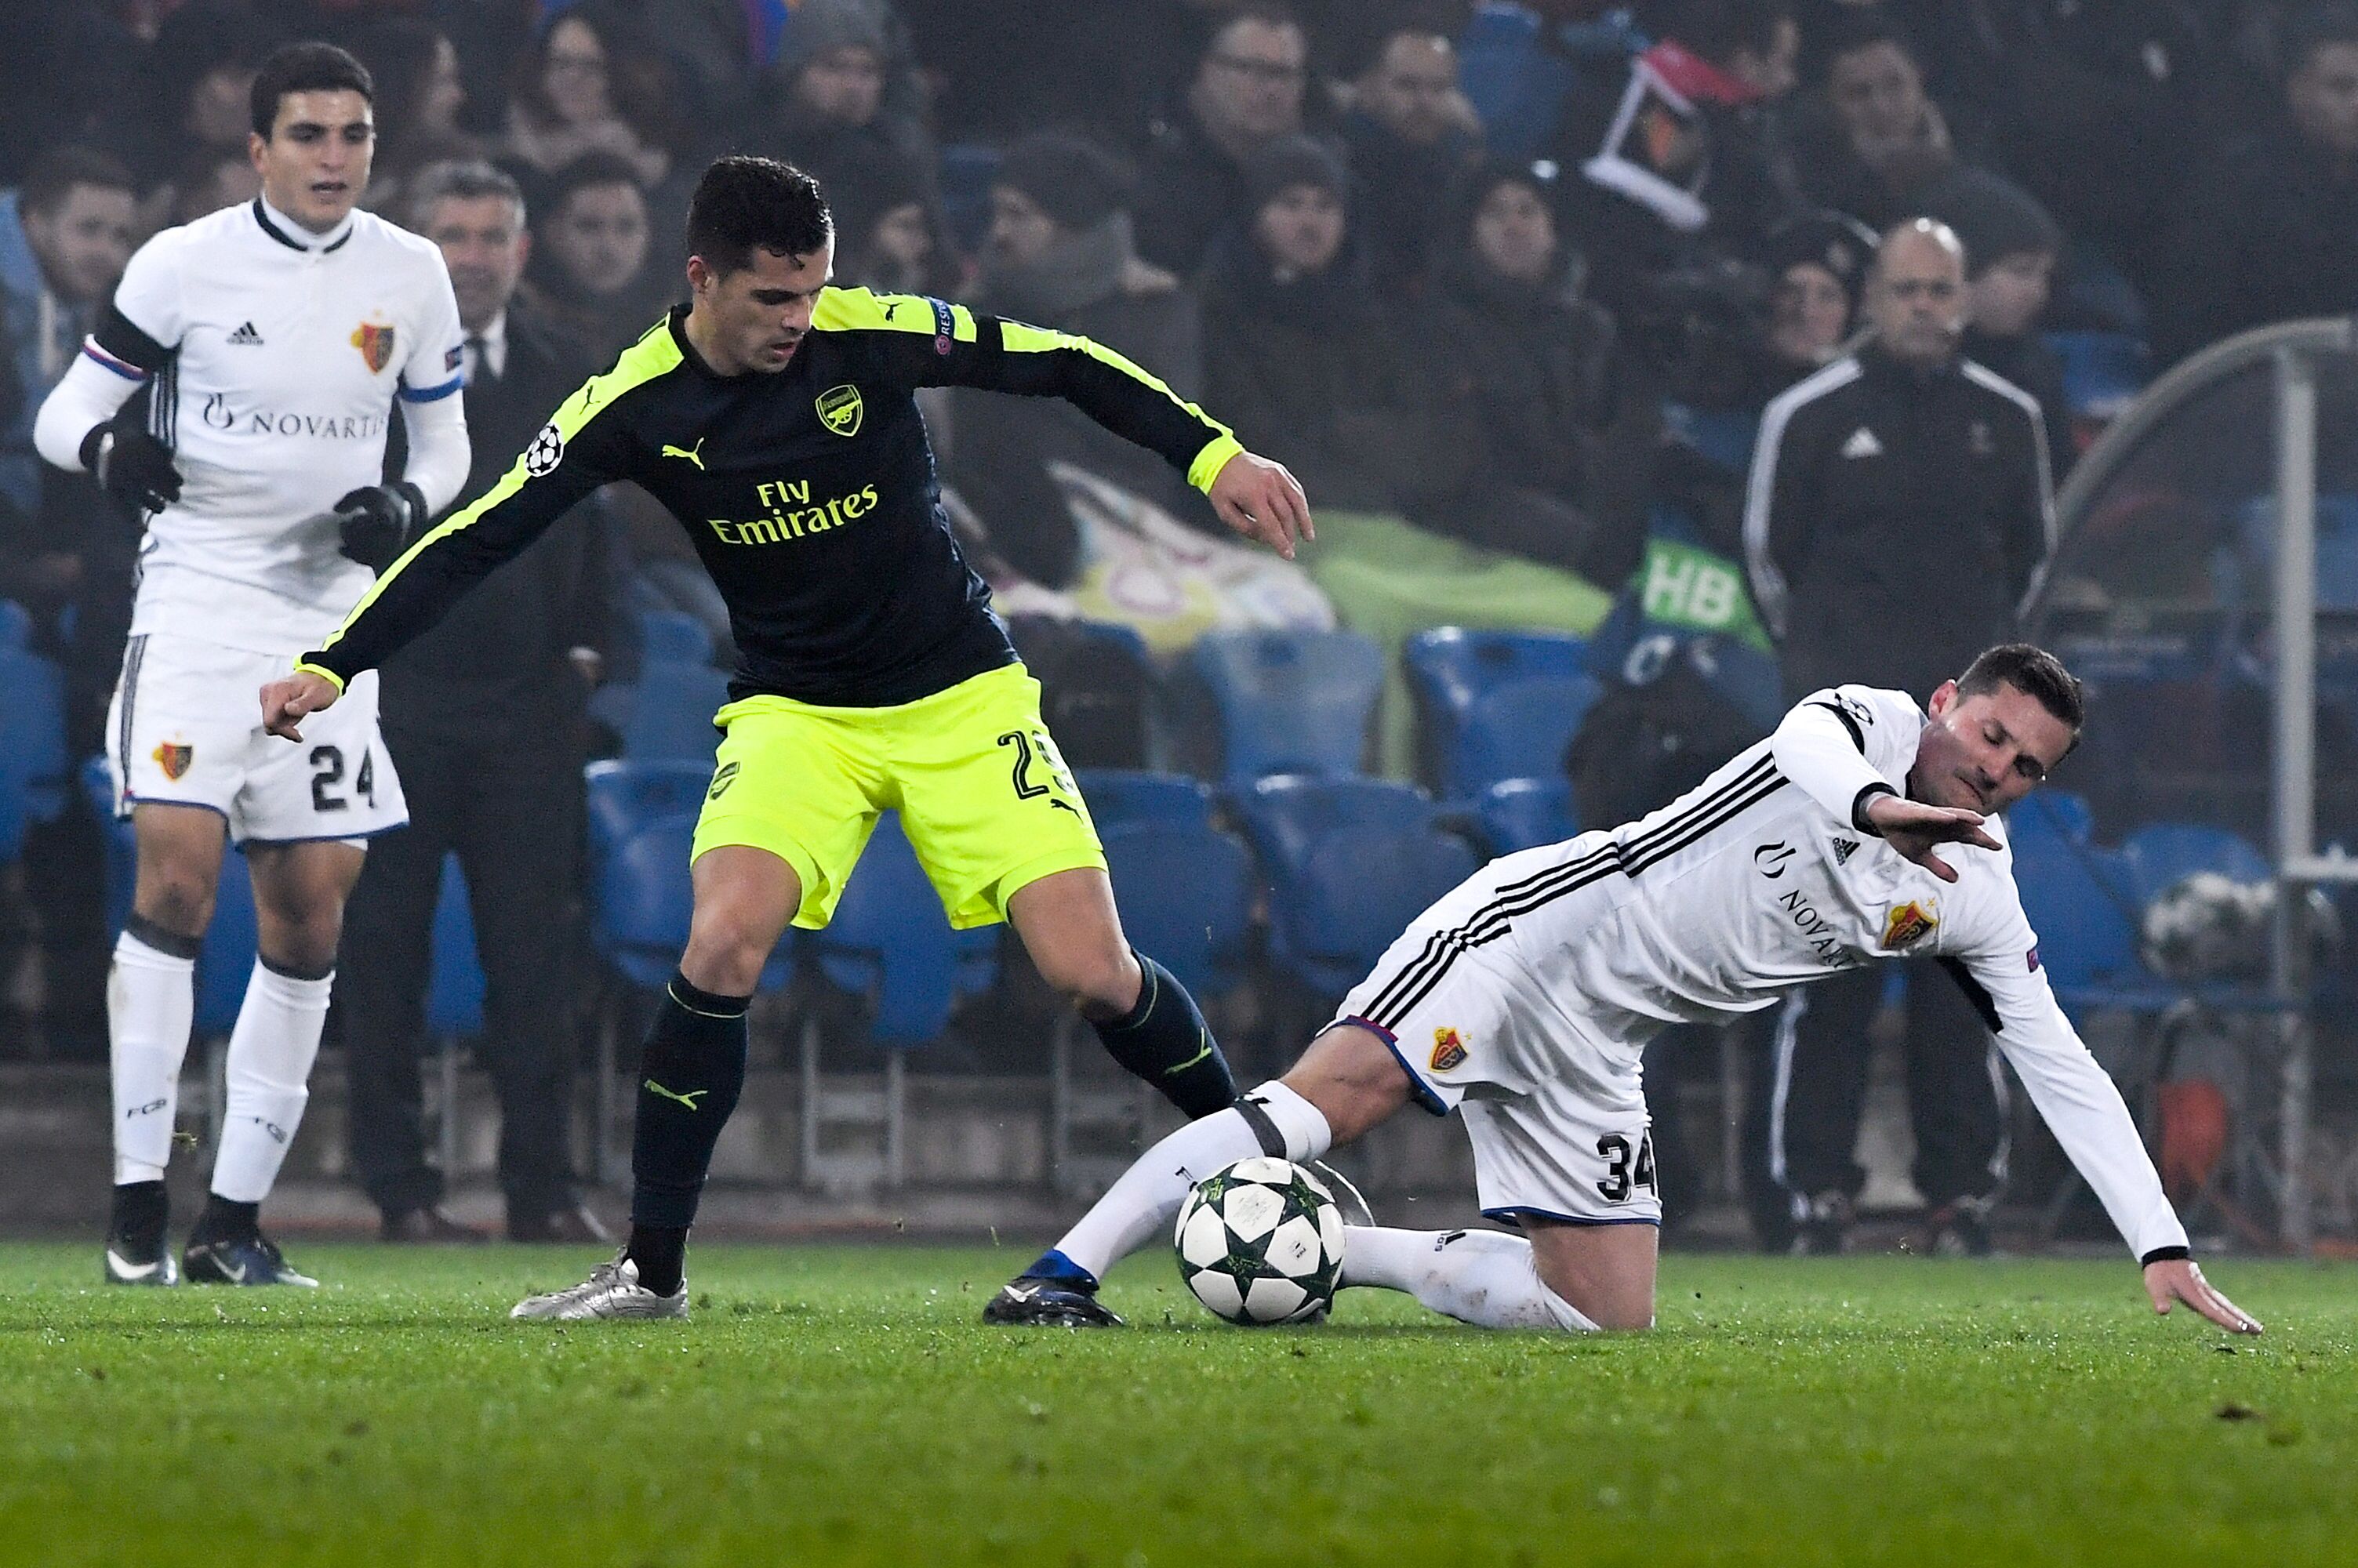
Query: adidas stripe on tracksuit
(1525, 997)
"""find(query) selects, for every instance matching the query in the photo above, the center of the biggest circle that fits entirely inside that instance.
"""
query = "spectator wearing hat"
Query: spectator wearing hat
(840, 96)
(1300, 355)
(1538, 360)
(1061, 255)
(2011, 247)
(1816, 266)
(2268, 230)
(1410, 135)
(1247, 92)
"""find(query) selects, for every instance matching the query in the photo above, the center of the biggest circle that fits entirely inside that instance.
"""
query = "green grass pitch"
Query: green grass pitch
(842, 1405)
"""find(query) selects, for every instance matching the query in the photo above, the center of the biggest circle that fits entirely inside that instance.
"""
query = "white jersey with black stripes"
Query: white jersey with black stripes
(1754, 882)
(277, 357)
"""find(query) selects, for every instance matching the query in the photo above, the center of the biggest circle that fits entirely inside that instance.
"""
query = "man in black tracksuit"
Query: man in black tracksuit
(1898, 513)
(505, 794)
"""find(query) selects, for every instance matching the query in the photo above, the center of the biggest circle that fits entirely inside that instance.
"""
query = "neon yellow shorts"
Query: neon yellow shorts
(983, 795)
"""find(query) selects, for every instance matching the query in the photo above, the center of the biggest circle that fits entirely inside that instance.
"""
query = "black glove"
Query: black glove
(379, 521)
(132, 466)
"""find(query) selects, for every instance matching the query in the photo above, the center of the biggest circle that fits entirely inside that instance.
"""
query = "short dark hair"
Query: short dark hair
(592, 170)
(2317, 28)
(2032, 671)
(56, 173)
(469, 179)
(305, 67)
(744, 205)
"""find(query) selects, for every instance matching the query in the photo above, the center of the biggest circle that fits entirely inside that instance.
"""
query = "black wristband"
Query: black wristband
(1858, 806)
(2165, 1255)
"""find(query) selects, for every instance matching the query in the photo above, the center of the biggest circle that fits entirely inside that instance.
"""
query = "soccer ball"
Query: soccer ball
(1262, 1242)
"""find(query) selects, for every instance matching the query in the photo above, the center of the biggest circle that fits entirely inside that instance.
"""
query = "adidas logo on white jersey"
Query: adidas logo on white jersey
(246, 336)
(1862, 444)
(1844, 850)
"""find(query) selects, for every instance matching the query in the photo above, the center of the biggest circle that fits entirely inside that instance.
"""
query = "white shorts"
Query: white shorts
(1555, 1108)
(185, 729)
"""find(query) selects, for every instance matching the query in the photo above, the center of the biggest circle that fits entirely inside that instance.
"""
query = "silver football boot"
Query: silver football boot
(613, 1290)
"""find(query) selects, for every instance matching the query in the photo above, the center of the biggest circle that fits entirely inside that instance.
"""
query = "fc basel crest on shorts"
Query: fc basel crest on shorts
(839, 409)
(174, 758)
(1448, 1051)
(1908, 924)
(375, 344)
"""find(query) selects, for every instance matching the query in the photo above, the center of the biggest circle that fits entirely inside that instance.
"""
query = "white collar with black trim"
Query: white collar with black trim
(286, 229)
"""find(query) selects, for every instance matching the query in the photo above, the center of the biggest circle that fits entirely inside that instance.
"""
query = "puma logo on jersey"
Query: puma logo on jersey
(690, 453)
(1862, 444)
(246, 337)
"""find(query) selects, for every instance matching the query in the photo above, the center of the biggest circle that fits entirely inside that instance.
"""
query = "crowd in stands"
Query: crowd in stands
(1506, 286)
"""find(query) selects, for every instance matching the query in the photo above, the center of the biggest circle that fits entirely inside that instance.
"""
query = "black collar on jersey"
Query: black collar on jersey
(675, 321)
(262, 216)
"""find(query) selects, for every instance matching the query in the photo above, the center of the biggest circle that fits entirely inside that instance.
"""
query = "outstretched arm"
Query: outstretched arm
(922, 342)
(2081, 1105)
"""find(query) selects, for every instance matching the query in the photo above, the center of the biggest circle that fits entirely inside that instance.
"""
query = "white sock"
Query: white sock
(1145, 1202)
(151, 1004)
(1486, 1278)
(268, 1069)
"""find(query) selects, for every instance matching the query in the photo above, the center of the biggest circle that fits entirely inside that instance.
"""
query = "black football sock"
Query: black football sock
(141, 1212)
(661, 1253)
(1163, 1041)
(225, 1220)
(689, 1083)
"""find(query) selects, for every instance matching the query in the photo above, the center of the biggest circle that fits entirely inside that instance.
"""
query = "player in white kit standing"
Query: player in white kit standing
(279, 337)
(1524, 997)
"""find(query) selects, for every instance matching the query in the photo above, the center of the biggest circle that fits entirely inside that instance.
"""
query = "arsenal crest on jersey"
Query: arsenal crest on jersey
(375, 344)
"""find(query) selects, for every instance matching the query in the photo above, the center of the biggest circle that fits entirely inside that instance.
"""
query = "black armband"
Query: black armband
(124, 341)
(2165, 1255)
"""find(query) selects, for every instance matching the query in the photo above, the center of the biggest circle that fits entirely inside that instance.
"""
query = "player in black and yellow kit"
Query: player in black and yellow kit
(772, 416)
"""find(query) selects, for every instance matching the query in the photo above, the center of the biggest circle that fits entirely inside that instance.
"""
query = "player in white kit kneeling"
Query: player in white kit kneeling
(1523, 1001)
(279, 338)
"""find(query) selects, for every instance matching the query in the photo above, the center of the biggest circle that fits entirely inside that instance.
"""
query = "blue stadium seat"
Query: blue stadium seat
(890, 943)
(1519, 730)
(226, 960)
(625, 796)
(34, 769)
(2103, 373)
(2081, 905)
(1356, 892)
(1120, 796)
(1451, 670)
(454, 986)
(1347, 863)
(671, 715)
(1522, 814)
(1186, 897)
(2161, 854)
(2051, 813)
(642, 903)
(1291, 701)
(667, 636)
